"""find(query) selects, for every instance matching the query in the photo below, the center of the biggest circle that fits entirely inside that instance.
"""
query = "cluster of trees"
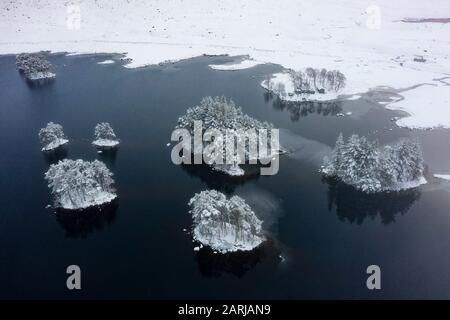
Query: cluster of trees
(77, 184)
(34, 65)
(104, 135)
(317, 80)
(225, 225)
(219, 113)
(229, 123)
(369, 168)
(52, 136)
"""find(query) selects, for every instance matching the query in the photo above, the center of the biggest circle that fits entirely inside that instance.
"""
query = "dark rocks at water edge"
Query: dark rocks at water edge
(34, 66)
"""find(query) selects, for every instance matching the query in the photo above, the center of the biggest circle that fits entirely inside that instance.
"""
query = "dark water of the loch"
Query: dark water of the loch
(323, 236)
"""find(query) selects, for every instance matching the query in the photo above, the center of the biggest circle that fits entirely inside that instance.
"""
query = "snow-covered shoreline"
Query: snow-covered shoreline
(105, 143)
(244, 64)
(55, 144)
(225, 225)
(308, 34)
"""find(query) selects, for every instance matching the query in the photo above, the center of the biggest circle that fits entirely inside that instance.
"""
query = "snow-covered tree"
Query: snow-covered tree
(105, 136)
(78, 184)
(362, 164)
(226, 118)
(52, 136)
(225, 225)
(317, 80)
(34, 66)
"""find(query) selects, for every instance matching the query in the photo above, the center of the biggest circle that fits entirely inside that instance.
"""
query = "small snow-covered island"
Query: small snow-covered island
(52, 136)
(224, 225)
(306, 85)
(34, 66)
(105, 136)
(78, 184)
(227, 120)
(367, 167)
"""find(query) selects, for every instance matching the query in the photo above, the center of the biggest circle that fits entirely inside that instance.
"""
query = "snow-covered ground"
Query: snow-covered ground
(443, 176)
(244, 64)
(41, 76)
(105, 143)
(369, 44)
(55, 144)
(106, 62)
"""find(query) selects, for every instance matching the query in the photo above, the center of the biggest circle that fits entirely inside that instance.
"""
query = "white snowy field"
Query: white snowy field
(370, 45)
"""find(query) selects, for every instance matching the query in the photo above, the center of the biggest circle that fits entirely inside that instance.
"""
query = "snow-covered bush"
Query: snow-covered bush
(362, 164)
(34, 66)
(223, 115)
(105, 136)
(52, 136)
(225, 225)
(78, 184)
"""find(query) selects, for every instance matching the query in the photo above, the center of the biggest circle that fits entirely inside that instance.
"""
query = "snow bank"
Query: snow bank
(443, 176)
(106, 62)
(105, 143)
(225, 225)
(244, 64)
(372, 50)
(428, 106)
(55, 144)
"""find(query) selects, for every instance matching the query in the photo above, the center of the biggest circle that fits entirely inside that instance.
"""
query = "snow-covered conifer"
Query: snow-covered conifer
(225, 225)
(52, 136)
(225, 117)
(78, 184)
(105, 136)
(362, 164)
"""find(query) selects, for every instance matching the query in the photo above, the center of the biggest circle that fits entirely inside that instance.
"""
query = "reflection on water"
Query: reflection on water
(79, 223)
(53, 156)
(300, 109)
(238, 263)
(221, 181)
(355, 206)
(107, 155)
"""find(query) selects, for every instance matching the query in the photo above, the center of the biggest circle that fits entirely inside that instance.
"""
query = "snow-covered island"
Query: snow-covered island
(223, 115)
(34, 66)
(367, 167)
(78, 184)
(309, 84)
(225, 225)
(52, 136)
(105, 136)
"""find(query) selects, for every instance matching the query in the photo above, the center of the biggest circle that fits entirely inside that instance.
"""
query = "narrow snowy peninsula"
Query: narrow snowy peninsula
(225, 225)
(78, 184)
